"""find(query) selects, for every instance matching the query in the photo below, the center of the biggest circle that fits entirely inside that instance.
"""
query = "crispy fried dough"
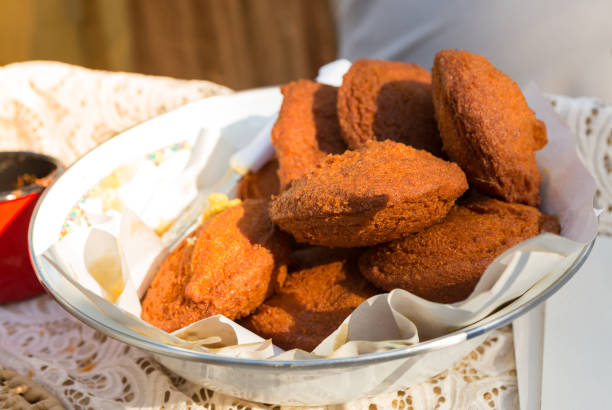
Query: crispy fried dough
(313, 302)
(238, 260)
(381, 100)
(486, 126)
(378, 193)
(228, 266)
(165, 305)
(444, 262)
(260, 185)
(307, 128)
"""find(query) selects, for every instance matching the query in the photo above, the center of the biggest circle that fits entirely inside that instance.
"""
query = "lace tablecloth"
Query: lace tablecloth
(65, 111)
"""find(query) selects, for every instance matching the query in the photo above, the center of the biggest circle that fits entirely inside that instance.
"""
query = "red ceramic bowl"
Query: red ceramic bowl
(23, 176)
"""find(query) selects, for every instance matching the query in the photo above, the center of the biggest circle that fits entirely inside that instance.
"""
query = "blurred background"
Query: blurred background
(237, 43)
(563, 45)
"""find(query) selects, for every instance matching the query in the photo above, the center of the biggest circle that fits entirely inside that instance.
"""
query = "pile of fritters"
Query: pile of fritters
(397, 179)
(229, 265)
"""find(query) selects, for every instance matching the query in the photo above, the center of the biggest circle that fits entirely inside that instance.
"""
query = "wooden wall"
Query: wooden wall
(92, 33)
(239, 43)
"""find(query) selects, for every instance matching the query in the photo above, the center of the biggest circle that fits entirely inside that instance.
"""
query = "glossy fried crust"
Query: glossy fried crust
(487, 127)
(313, 302)
(378, 193)
(260, 185)
(228, 266)
(307, 128)
(165, 305)
(381, 100)
(238, 260)
(444, 262)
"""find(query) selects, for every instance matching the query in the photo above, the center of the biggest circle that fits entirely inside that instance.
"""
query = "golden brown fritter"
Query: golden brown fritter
(378, 193)
(238, 260)
(228, 266)
(444, 262)
(307, 128)
(381, 100)
(260, 185)
(487, 127)
(313, 302)
(165, 305)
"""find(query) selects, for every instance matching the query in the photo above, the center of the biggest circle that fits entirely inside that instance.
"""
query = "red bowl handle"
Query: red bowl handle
(17, 277)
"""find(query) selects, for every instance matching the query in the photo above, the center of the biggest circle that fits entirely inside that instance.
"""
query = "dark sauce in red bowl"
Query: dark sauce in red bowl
(23, 177)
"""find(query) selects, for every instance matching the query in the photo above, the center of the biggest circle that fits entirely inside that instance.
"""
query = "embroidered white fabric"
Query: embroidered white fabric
(65, 111)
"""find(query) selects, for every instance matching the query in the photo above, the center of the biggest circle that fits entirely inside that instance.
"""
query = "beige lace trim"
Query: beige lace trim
(65, 111)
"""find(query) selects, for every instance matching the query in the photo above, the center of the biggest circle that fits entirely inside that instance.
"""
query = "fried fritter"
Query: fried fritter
(307, 128)
(380, 192)
(444, 262)
(260, 185)
(487, 127)
(228, 266)
(165, 305)
(239, 258)
(313, 302)
(381, 100)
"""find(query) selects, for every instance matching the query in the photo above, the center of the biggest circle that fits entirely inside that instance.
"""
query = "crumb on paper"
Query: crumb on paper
(218, 203)
(163, 227)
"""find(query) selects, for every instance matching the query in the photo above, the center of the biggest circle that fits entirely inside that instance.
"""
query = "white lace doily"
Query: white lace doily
(65, 111)
(591, 120)
(87, 370)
